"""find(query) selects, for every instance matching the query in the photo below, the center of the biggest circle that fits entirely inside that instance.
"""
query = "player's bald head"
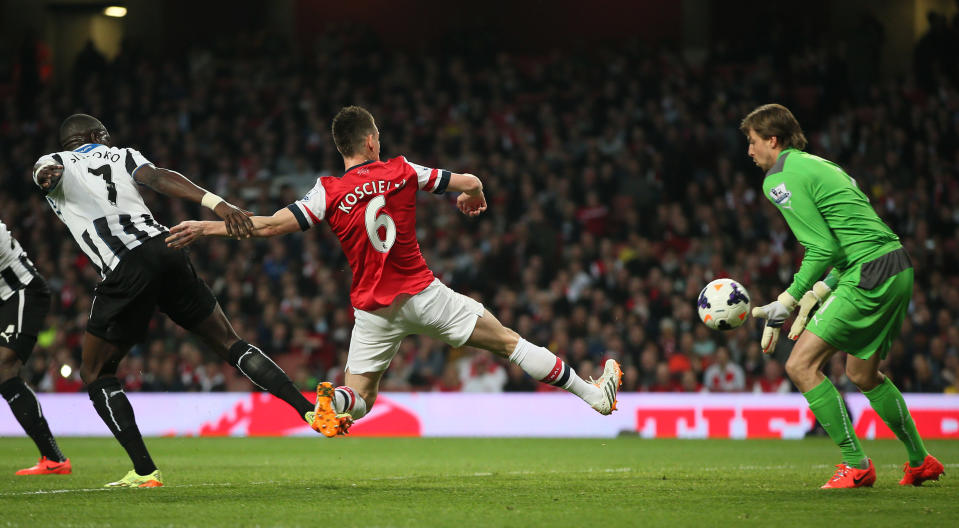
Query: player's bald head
(82, 128)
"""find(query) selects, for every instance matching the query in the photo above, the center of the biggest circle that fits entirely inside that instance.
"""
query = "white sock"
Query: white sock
(345, 400)
(544, 366)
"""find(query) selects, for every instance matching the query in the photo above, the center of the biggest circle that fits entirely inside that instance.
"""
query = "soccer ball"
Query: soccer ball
(723, 304)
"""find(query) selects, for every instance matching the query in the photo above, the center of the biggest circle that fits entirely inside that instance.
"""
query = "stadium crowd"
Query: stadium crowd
(618, 184)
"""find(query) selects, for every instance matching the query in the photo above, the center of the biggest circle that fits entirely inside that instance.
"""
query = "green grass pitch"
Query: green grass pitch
(473, 482)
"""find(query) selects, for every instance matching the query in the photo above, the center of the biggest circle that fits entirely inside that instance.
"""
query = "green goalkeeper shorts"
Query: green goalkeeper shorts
(862, 322)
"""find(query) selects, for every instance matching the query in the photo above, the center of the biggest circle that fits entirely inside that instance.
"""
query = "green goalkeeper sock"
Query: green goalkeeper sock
(889, 405)
(829, 408)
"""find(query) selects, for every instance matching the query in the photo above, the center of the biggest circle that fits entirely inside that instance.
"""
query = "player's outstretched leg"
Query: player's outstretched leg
(889, 404)
(26, 409)
(544, 366)
(810, 352)
(217, 332)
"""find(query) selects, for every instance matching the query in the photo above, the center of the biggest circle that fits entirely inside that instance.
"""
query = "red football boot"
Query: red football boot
(48, 467)
(931, 469)
(847, 476)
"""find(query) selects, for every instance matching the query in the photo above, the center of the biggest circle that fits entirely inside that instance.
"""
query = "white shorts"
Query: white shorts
(437, 311)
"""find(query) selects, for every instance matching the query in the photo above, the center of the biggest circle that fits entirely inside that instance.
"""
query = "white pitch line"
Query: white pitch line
(52, 492)
(91, 490)
(274, 482)
(460, 475)
(793, 466)
(510, 473)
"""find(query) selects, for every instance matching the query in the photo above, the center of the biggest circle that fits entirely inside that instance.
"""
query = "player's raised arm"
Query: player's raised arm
(188, 232)
(471, 200)
(172, 183)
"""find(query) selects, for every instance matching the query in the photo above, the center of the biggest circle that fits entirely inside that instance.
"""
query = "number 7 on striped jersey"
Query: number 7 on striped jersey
(105, 172)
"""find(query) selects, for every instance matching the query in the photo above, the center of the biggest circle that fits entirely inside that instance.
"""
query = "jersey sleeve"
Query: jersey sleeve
(793, 195)
(311, 209)
(427, 179)
(133, 160)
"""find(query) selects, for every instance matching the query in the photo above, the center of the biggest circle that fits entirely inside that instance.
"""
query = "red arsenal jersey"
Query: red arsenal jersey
(372, 210)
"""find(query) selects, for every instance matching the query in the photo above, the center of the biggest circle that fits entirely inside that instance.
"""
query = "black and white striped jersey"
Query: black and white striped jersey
(98, 200)
(16, 270)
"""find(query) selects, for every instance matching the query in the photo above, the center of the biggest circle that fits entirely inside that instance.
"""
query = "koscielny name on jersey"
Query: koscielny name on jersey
(369, 188)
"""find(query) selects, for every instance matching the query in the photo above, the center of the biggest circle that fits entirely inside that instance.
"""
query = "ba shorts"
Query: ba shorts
(151, 276)
(437, 312)
(22, 316)
(864, 314)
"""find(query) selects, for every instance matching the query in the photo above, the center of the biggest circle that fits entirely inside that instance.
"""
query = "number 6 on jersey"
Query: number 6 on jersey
(374, 223)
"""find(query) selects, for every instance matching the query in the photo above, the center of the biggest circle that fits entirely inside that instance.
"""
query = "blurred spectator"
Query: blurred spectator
(690, 383)
(772, 379)
(836, 370)
(450, 380)
(924, 381)
(480, 373)
(518, 381)
(630, 379)
(665, 381)
(724, 375)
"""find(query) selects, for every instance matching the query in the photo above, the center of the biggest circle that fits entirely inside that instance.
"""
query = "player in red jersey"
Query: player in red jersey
(372, 210)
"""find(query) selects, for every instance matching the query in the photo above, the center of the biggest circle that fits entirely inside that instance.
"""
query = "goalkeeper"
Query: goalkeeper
(864, 298)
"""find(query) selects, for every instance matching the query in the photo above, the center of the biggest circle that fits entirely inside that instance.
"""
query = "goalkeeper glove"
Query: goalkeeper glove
(775, 314)
(818, 294)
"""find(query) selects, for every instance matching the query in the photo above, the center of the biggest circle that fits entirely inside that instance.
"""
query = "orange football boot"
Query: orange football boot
(45, 466)
(325, 420)
(847, 476)
(931, 469)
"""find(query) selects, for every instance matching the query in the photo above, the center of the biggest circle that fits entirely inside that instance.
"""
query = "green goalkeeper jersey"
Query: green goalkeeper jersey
(829, 215)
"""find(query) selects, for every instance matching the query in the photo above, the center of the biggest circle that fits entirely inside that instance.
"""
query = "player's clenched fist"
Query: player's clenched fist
(46, 174)
(238, 223)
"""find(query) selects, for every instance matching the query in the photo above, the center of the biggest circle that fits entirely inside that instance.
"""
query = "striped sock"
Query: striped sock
(544, 366)
(345, 400)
